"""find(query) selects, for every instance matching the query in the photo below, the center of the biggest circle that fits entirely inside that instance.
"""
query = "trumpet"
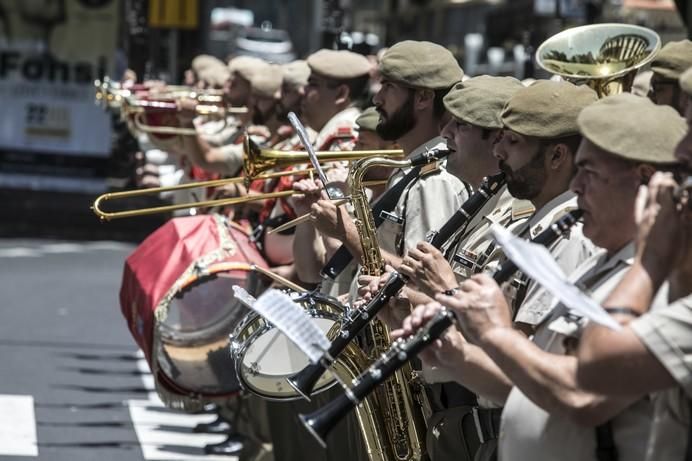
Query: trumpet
(256, 161)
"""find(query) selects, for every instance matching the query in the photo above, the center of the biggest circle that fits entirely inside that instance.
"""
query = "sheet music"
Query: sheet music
(537, 262)
(289, 318)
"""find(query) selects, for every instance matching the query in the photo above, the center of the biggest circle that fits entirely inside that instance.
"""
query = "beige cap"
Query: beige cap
(633, 128)
(203, 61)
(686, 82)
(480, 100)
(247, 66)
(296, 73)
(338, 65)
(267, 83)
(547, 109)
(215, 75)
(673, 59)
(368, 120)
(421, 65)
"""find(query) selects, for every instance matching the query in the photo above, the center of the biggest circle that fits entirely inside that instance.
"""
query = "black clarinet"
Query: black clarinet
(320, 422)
(305, 380)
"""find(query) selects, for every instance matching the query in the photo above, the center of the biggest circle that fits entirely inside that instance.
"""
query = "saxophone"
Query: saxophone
(400, 400)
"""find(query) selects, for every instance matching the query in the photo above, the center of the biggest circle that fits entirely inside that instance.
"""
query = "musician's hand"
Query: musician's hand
(428, 269)
(480, 307)
(310, 192)
(664, 227)
(444, 352)
(396, 310)
(186, 110)
(331, 220)
(369, 285)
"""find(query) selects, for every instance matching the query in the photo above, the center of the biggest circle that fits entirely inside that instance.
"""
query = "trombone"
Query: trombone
(255, 163)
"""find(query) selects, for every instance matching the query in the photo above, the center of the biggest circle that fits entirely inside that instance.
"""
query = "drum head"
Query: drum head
(194, 350)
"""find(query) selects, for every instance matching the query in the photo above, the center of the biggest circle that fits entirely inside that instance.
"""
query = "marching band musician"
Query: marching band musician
(667, 67)
(652, 352)
(536, 151)
(546, 415)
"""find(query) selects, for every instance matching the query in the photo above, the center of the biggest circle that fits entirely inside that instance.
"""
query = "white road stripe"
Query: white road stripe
(17, 426)
(19, 252)
(147, 377)
(159, 444)
(33, 251)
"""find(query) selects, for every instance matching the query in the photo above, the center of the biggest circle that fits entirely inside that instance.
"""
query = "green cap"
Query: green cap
(673, 59)
(247, 66)
(421, 65)
(547, 109)
(368, 120)
(633, 127)
(214, 75)
(267, 84)
(202, 61)
(686, 82)
(296, 73)
(480, 100)
(338, 65)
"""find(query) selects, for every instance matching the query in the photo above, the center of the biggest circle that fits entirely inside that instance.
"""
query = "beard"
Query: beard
(528, 181)
(283, 111)
(259, 117)
(397, 124)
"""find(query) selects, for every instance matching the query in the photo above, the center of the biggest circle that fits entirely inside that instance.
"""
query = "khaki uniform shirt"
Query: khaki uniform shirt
(529, 432)
(339, 133)
(667, 333)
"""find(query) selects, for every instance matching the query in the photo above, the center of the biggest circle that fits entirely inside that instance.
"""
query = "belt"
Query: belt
(487, 423)
(443, 396)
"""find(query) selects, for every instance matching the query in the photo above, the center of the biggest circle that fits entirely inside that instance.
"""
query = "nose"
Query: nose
(577, 183)
(446, 131)
(377, 99)
(499, 151)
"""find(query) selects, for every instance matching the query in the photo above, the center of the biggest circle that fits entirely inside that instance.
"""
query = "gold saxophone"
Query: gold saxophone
(397, 405)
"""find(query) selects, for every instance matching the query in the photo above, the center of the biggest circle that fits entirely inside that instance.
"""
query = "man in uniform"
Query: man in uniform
(546, 416)
(651, 354)
(673, 59)
(536, 152)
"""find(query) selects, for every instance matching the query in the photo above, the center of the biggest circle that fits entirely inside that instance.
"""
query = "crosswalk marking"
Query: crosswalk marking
(17, 426)
(168, 436)
(38, 250)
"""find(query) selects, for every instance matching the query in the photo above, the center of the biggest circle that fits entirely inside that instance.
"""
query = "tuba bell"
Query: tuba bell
(605, 57)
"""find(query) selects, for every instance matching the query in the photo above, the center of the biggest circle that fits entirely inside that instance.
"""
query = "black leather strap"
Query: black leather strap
(688, 453)
(605, 443)
(387, 202)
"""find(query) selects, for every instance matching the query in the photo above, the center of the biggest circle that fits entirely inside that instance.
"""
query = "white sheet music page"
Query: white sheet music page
(537, 262)
(290, 318)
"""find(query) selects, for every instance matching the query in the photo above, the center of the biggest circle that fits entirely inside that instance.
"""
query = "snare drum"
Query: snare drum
(264, 357)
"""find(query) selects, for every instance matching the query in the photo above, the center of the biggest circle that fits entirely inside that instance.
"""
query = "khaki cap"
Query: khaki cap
(480, 100)
(267, 84)
(338, 65)
(686, 82)
(673, 59)
(214, 75)
(421, 65)
(633, 127)
(247, 66)
(296, 73)
(547, 109)
(368, 120)
(203, 61)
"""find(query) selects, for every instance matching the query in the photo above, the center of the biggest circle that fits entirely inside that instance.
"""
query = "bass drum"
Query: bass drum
(264, 357)
(178, 298)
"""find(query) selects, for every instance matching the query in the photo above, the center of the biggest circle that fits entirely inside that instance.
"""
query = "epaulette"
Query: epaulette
(430, 168)
(522, 209)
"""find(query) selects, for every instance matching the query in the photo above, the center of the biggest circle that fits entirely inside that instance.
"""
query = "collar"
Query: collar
(344, 119)
(551, 212)
(437, 141)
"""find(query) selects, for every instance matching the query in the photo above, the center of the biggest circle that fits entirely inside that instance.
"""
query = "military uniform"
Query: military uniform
(528, 431)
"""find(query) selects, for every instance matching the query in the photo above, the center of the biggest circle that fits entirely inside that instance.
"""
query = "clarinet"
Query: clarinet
(304, 381)
(320, 422)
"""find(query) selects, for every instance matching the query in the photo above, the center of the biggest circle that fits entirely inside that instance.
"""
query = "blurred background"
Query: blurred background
(58, 149)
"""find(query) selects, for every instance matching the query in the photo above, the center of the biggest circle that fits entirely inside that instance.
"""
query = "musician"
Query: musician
(475, 106)
(546, 416)
(195, 75)
(649, 355)
(673, 59)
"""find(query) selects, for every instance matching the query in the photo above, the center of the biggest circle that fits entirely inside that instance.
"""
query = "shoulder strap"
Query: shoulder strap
(688, 453)
(387, 202)
(605, 443)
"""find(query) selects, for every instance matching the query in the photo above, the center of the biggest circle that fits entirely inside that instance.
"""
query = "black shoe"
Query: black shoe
(218, 426)
(231, 446)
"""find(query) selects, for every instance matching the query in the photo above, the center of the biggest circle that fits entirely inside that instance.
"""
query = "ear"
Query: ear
(423, 99)
(343, 94)
(558, 156)
(645, 172)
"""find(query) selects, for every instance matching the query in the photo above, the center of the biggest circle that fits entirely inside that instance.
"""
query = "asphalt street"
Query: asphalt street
(72, 385)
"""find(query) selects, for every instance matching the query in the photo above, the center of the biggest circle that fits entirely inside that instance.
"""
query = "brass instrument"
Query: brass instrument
(256, 162)
(605, 57)
(398, 418)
